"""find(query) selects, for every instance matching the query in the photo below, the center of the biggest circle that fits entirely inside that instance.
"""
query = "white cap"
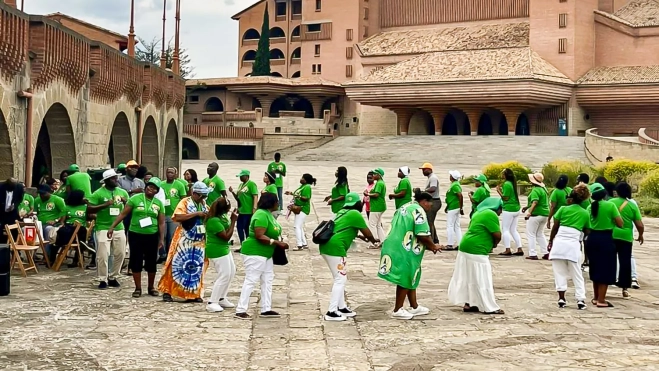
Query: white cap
(455, 174)
(107, 174)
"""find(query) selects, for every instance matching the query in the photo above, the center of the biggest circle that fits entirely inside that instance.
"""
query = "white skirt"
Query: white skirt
(472, 282)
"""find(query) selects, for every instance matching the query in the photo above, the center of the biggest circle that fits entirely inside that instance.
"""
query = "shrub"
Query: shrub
(627, 170)
(649, 206)
(650, 185)
(572, 169)
(493, 171)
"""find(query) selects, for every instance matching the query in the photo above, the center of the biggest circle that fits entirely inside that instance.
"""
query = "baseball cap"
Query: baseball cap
(455, 174)
(243, 173)
(74, 168)
(596, 187)
(155, 181)
(107, 174)
(481, 178)
(351, 199)
(379, 171)
(426, 165)
(121, 167)
(132, 163)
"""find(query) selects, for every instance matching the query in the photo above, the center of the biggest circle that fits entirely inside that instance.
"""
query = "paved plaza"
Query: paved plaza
(60, 321)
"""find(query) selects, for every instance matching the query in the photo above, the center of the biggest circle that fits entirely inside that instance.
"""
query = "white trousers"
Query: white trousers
(453, 230)
(116, 247)
(257, 268)
(509, 229)
(564, 270)
(375, 225)
(226, 270)
(301, 239)
(535, 233)
(337, 266)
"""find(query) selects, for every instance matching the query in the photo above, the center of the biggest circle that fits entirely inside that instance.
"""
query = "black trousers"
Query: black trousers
(624, 251)
(143, 252)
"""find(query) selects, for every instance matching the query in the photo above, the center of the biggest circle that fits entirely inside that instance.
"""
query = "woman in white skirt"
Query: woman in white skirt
(564, 246)
(471, 284)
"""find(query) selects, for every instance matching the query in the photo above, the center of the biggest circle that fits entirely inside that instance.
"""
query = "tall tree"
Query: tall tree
(261, 66)
(150, 51)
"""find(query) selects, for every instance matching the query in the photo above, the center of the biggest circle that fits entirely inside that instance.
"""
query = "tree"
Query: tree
(261, 66)
(149, 51)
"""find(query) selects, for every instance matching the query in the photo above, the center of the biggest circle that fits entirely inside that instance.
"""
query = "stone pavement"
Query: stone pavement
(60, 321)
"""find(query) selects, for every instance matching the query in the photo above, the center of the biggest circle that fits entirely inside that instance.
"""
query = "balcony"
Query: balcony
(296, 17)
(247, 63)
(277, 40)
(250, 42)
(224, 117)
(222, 132)
(278, 62)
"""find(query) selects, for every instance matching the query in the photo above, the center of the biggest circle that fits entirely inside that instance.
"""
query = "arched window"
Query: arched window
(295, 74)
(297, 53)
(214, 104)
(275, 74)
(251, 34)
(276, 54)
(249, 55)
(276, 32)
(296, 32)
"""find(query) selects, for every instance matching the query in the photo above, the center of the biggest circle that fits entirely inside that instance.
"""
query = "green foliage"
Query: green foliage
(493, 171)
(649, 206)
(261, 66)
(650, 184)
(150, 51)
(572, 169)
(627, 170)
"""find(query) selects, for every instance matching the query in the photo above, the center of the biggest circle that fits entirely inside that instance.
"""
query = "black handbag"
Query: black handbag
(279, 257)
(190, 223)
(324, 232)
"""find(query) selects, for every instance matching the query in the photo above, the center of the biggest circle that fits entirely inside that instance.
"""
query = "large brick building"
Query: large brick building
(479, 67)
(69, 95)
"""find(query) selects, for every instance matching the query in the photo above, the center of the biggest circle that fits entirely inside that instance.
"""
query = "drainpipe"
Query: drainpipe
(138, 115)
(28, 136)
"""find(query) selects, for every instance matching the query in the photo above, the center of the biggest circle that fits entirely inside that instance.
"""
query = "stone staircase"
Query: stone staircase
(288, 152)
(533, 151)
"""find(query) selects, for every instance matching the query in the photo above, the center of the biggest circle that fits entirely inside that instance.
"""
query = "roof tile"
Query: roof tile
(621, 75)
(302, 81)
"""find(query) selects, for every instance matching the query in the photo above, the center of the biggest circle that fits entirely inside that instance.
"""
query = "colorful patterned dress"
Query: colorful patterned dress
(183, 274)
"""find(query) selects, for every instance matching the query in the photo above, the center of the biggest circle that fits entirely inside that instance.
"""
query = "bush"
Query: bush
(650, 185)
(493, 171)
(649, 206)
(572, 169)
(627, 170)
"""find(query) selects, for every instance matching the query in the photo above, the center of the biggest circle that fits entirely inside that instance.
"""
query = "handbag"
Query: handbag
(324, 232)
(295, 209)
(279, 257)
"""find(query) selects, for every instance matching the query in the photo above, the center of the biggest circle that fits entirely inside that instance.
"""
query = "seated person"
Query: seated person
(49, 209)
(76, 211)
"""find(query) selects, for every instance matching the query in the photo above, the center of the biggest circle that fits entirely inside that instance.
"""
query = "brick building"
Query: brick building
(479, 67)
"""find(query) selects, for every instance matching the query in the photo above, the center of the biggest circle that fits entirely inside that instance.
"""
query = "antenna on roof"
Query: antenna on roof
(163, 56)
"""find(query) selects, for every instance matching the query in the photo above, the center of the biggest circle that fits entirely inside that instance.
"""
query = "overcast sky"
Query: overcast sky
(207, 30)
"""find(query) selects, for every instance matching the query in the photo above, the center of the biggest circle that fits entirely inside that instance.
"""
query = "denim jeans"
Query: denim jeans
(170, 226)
(280, 194)
(243, 226)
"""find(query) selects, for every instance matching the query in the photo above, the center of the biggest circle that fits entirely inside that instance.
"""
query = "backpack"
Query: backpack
(324, 232)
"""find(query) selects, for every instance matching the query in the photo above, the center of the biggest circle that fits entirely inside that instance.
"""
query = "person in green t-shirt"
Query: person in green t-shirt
(482, 192)
(301, 208)
(454, 209)
(279, 169)
(257, 251)
(600, 247)
(570, 221)
(558, 197)
(174, 193)
(339, 191)
(402, 253)
(220, 224)
(403, 191)
(75, 212)
(215, 183)
(146, 234)
(247, 198)
(269, 180)
(347, 223)
(378, 205)
(471, 285)
(510, 215)
(26, 207)
(624, 237)
(79, 181)
(537, 212)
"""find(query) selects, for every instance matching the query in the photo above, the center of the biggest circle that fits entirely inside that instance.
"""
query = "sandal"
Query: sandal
(500, 311)
(449, 248)
(608, 305)
(137, 293)
(470, 309)
(154, 292)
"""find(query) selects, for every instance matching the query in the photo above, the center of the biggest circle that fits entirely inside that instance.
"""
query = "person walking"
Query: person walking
(454, 205)
(279, 169)
(482, 192)
(174, 191)
(584, 179)
(378, 205)
(432, 188)
(339, 191)
(220, 224)
(403, 191)
(247, 198)
(214, 183)
(558, 197)
(347, 224)
(370, 183)
(302, 208)
(623, 238)
(510, 215)
(537, 212)
(570, 222)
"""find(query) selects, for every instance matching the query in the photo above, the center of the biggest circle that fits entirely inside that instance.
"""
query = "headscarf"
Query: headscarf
(483, 180)
(490, 203)
(405, 170)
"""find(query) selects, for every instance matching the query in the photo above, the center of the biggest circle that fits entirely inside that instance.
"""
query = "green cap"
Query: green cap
(155, 181)
(379, 171)
(481, 178)
(351, 199)
(74, 168)
(490, 203)
(121, 167)
(596, 187)
(243, 173)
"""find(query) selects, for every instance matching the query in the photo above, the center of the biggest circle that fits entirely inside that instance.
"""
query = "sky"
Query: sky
(207, 30)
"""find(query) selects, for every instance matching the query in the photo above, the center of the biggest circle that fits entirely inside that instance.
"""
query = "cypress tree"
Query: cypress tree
(261, 66)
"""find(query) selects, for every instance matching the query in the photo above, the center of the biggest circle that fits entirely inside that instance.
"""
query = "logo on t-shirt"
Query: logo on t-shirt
(80, 213)
(50, 206)
(385, 265)
(173, 192)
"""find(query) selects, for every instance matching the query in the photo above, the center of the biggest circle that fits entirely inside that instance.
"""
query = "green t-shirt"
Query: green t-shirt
(539, 194)
(51, 210)
(273, 167)
(106, 216)
(404, 184)
(452, 200)
(585, 203)
(216, 185)
(478, 240)
(629, 214)
(143, 208)
(606, 215)
(26, 205)
(270, 188)
(379, 204)
(61, 192)
(480, 194)
(80, 182)
(559, 197)
(304, 191)
(573, 216)
(183, 183)
(246, 193)
(261, 219)
(338, 191)
(508, 190)
(174, 192)
(76, 214)
(346, 226)
(217, 247)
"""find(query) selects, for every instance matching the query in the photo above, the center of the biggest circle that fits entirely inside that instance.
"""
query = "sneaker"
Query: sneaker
(167, 298)
(347, 312)
(625, 294)
(419, 311)
(114, 283)
(581, 305)
(226, 304)
(402, 313)
(561, 303)
(102, 285)
(243, 316)
(214, 308)
(334, 316)
(91, 265)
(635, 284)
(270, 314)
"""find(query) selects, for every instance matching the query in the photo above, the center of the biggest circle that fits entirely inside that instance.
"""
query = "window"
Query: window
(562, 45)
(277, 129)
(348, 70)
(316, 69)
(319, 5)
(365, 31)
(315, 27)
(349, 34)
(194, 121)
(296, 8)
(365, 13)
(349, 52)
(562, 20)
(317, 50)
(280, 9)
(193, 99)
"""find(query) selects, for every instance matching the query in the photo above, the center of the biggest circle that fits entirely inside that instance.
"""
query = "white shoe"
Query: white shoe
(347, 312)
(334, 316)
(419, 311)
(402, 314)
(226, 303)
(214, 308)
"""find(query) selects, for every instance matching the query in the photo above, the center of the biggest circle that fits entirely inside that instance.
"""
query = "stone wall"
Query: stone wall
(207, 146)
(598, 148)
(377, 121)
(288, 142)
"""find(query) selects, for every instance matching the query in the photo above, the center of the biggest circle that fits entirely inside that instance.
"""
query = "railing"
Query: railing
(296, 39)
(224, 117)
(298, 131)
(296, 17)
(277, 40)
(295, 60)
(250, 42)
(649, 136)
(292, 114)
(222, 132)
(247, 63)
(277, 62)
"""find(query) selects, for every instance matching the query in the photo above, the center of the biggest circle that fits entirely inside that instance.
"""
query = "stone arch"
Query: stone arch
(421, 123)
(295, 74)
(120, 147)
(150, 147)
(249, 55)
(296, 32)
(55, 149)
(302, 104)
(523, 127)
(485, 124)
(251, 34)
(170, 155)
(190, 150)
(214, 104)
(297, 53)
(276, 54)
(6, 153)
(327, 105)
(450, 125)
(255, 103)
(279, 104)
(277, 32)
(275, 74)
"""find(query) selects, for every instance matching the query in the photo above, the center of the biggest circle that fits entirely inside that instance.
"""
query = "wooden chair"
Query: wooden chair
(73, 243)
(17, 246)
(39, 240)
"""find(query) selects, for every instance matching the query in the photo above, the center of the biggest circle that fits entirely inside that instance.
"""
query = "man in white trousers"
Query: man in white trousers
(454, 205)
(377, 196)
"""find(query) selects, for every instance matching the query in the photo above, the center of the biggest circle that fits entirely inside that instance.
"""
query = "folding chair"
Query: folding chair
(73, 243)
(17, 246)
(38, 240)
